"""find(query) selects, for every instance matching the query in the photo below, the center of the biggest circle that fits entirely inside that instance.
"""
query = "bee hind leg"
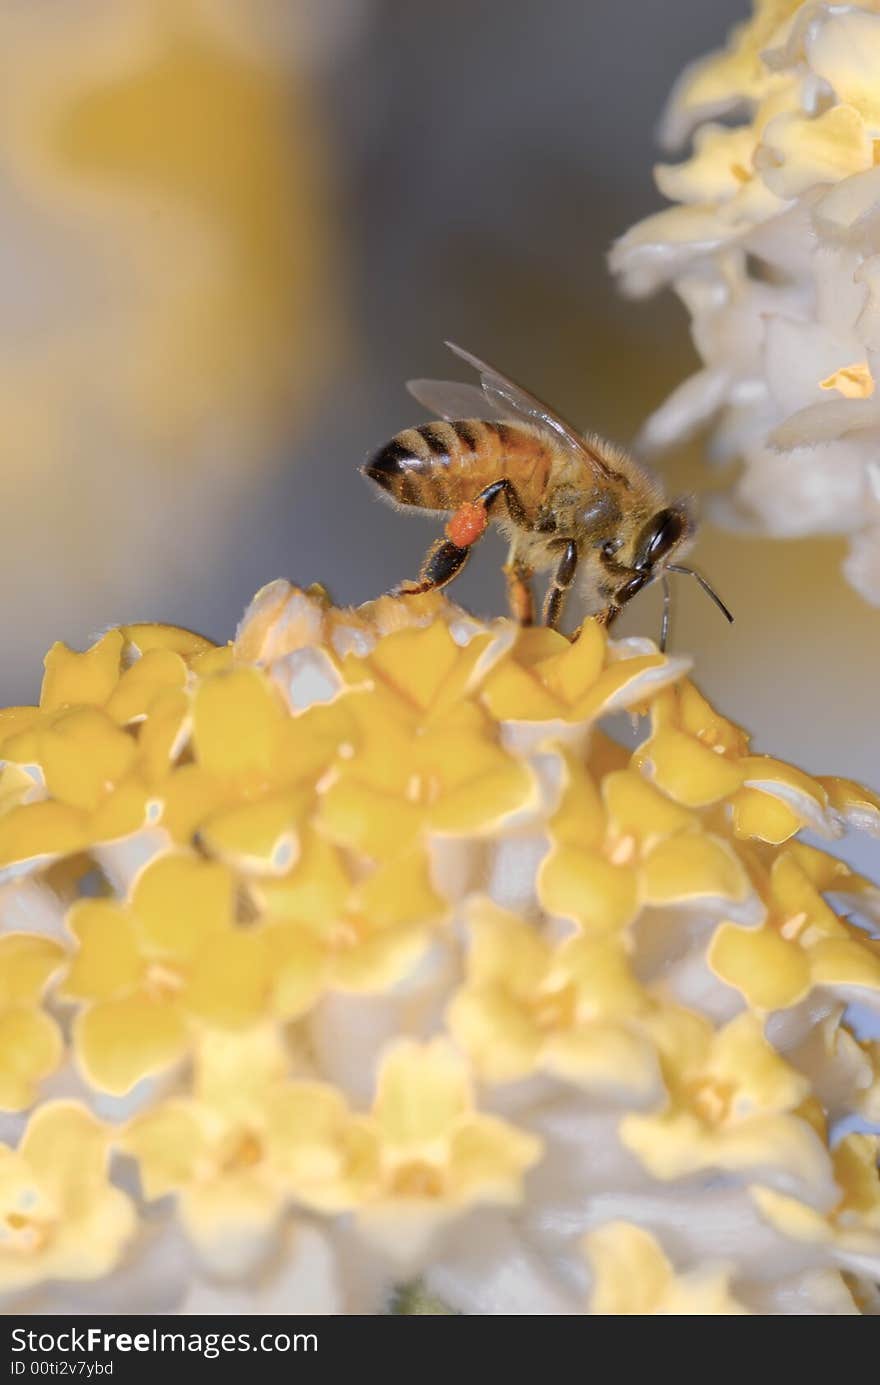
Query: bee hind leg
(443, 561)
(446, 558)
(559, 588)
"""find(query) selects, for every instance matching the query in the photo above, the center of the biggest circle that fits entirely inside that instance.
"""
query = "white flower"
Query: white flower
(775, 251)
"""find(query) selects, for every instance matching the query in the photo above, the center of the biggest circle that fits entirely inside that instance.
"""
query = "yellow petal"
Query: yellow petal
(151, 635)
(417, 663)
(190, 795)
(741, 1057)
(585, 887)
(41, 830)
(376, 823)
(852, 381)
(236, 721)
(512, 693)
(72, 678)
(422, 1090)
(108, 962)
(26, 963)
(846, 962)
(721, 163)
(230, 980)
(259, 838)
(83, 755)
(315, 890)
(763, 817)
(480, 806)
(798, 151)
(688, 867)
(118, 1042)
(631, 1275)
(505, 949)
(689, 771)
(167, 1143)
(128, 808)
(68, 1150)
(180, 901)
(156, 671)
(604, 1058)
(635, 807)
(162, 737)
(770, 972)
(15, 720)
(31, 1047)
(299, 966)
(845, 50)
(569, 674)
(305, 1134)
(498, 1034)
(487, 1160)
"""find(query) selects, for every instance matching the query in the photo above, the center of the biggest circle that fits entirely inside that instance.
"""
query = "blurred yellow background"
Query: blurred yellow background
(231, 230)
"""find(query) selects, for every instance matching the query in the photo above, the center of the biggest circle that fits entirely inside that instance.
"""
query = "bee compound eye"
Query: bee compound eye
(667, 530)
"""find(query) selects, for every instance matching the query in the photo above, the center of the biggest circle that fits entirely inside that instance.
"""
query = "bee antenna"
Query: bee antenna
(690, 572)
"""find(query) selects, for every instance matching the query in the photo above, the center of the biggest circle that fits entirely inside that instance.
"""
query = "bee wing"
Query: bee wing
(452, 400)
(512, 401)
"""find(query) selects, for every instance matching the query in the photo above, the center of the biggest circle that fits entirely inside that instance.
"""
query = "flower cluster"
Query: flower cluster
(773, 249)
(354, 955)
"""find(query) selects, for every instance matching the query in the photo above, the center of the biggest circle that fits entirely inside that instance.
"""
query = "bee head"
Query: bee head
(664, 532)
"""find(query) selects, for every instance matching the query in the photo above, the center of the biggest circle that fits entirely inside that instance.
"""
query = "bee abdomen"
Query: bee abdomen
(413, 467)
(440, 465)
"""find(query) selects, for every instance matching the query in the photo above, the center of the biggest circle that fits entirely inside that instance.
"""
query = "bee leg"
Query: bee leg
(608, 616)
(489, 494)
(664, 625)
(447, 557)
(559, 587)
(443, 561)
(519, 590)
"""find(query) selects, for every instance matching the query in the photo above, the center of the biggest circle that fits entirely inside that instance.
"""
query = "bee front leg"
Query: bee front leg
(563, 578)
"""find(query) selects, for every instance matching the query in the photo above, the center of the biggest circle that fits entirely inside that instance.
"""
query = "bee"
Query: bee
(575, 505)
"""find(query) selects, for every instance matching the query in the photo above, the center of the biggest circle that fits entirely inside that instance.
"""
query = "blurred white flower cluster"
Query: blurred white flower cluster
(354, 956)
(775, 252)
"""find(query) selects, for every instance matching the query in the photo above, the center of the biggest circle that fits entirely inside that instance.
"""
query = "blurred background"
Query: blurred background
(231, 229)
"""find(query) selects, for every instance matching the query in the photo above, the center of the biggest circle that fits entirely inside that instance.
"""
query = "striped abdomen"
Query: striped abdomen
(440, 466)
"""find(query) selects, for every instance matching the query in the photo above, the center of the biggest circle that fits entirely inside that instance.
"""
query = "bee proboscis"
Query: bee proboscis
(576, 505)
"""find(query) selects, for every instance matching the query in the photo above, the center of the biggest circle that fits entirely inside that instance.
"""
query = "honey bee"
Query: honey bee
(573, 504)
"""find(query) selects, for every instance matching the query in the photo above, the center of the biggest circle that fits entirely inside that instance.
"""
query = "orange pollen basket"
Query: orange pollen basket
(467, 524)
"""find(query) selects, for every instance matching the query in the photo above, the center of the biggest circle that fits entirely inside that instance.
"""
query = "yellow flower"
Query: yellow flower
(30, 1042)
(60, 1218)
(632, 1277)
(361, 885)
(852, 1226)
(430, 760)
(148, 969)
(560, 684)
(331, 927)
(733, 1103)
(626, 844)
(236, 1150)
(425, 1154)
(527, 1005)
(92, 744)
(700, 758)
(801, 945)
